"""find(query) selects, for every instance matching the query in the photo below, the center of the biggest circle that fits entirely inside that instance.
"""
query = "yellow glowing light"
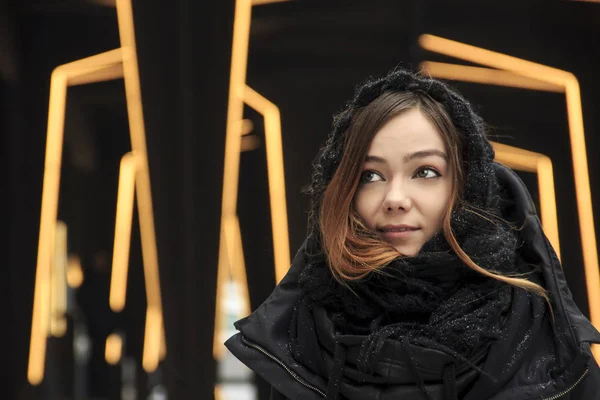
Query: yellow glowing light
(231, 258)
(74, 272)
(51, 182)
(125, 200)
(233, 147)
(223, 276)
(163, 344)
(234, 269)
(138, 144)
(58, 293)
(238, 267)
(152, 339)
(540, 164)
(109, 65)
(488, 76)
(218, 392)
(275, 169)
(570, 84)
(250, 142)
(239, 58)
(113, 349)
(247, 127)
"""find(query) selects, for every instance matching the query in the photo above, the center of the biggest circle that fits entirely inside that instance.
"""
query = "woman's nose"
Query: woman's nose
(397, 199)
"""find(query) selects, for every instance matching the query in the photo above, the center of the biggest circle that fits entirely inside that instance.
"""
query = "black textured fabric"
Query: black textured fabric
(431, 299)
(295, 340)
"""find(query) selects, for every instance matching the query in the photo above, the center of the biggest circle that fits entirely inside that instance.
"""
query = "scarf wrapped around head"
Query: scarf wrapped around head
(433, 298)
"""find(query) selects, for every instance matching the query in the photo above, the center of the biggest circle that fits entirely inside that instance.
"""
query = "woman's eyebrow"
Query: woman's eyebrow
(425, 153)
(375, 159)
(411, 156)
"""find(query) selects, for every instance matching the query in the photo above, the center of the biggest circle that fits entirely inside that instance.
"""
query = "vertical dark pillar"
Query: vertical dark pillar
(184, 55)
(27, 103)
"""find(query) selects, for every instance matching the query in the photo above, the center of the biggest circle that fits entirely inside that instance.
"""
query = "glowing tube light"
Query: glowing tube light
(223, 276)
(109, 65)
(239, 59)
(488, 76)
(275, 169)
(54, 140)
(58, 293)
(233, 147)
(234, 269)
(238, 268)
(540, 164)
(99, 66)
(153, 333)
(123, 221)
(247, 127)
(152, 339)
(74, 272)
(113, 349)
(567, 80)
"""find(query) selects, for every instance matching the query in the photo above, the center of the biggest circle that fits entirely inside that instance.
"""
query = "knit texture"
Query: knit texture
(431, 299)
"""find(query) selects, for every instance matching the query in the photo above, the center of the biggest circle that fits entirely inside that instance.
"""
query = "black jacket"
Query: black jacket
(537, 359)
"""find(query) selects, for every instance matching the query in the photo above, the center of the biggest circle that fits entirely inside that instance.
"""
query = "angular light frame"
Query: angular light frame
(570, 86)
(540, 164)
(230, 242)
(114, 64)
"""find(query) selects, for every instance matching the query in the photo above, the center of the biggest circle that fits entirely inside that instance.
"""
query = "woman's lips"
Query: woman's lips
(397, 232)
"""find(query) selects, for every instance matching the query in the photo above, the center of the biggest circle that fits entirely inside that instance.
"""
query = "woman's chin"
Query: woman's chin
(408, 250)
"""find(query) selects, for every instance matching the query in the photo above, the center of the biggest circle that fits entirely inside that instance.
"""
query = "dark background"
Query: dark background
(306, 57)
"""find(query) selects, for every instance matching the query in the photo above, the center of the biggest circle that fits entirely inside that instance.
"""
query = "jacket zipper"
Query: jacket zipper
(278, 361)
(317, 390)
(568, 390)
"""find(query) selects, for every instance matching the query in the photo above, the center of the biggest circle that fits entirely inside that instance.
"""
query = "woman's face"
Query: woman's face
(406, 182)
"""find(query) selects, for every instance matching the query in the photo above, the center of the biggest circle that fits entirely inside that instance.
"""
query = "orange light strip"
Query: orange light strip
(97, 68)
(231, 269)
(102, 74)
(250, 142)
(529, 161)
(275, 168)
(122, 241)
(233, 146)
(51, 183)
(577, 138)
(58, 292)
(223, 276)
(247, 127)
(153, 335)
(488, 76)
(113, 349)
(74, 272)
(233, 139)
(493, 59)
(238, 268)
(154, 329)
(101, 67)
(218, 392)
(235, 270)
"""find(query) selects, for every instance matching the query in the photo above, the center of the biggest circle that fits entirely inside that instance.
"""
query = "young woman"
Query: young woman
(425, 274)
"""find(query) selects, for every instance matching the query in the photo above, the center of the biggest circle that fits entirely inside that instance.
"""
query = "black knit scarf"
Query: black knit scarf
(431, 299)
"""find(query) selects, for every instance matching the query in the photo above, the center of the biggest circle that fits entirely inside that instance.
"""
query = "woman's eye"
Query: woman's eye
(427, 173)
(370, 176)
